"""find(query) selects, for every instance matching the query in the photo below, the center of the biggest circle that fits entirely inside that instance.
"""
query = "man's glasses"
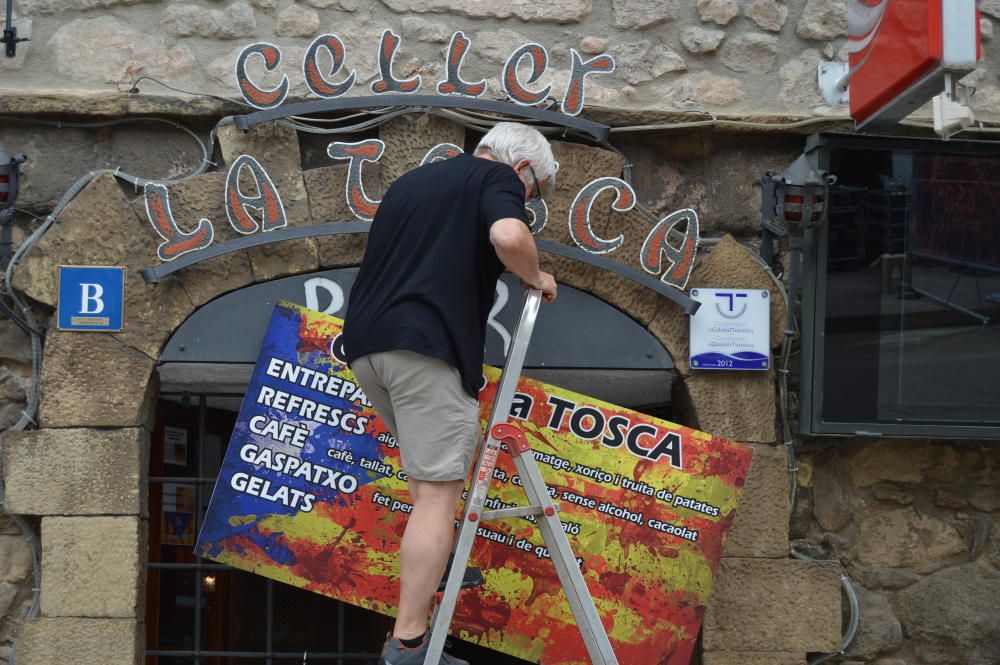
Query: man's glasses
(537, 198)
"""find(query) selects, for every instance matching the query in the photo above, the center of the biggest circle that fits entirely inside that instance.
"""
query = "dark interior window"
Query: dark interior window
(908, 297)
(200, 612)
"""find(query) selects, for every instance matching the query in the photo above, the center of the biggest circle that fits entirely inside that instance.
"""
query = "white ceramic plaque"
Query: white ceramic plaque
(731, 330)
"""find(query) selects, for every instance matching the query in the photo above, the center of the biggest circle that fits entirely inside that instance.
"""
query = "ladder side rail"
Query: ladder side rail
(595, 637)
(509, 379)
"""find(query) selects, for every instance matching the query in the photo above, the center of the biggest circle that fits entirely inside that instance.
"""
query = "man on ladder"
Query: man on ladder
(416, 329)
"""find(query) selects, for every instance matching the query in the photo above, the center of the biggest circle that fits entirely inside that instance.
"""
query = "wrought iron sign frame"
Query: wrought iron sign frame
(599, 132)
(155, 274)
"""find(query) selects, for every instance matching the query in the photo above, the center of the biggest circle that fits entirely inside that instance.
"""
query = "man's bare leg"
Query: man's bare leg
(424, 551)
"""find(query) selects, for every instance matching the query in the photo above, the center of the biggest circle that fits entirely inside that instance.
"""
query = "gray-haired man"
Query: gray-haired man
(416, 328)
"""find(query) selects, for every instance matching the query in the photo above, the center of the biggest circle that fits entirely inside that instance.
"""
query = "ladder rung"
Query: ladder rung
(523, 511)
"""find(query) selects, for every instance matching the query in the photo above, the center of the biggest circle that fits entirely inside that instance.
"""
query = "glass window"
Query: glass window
(905, 314)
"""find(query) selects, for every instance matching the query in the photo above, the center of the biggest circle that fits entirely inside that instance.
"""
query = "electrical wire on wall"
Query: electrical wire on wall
(27, 322)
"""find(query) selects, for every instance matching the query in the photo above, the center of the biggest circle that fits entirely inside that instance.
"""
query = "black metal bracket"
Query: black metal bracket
(11, 40)
(155, 274)
(598, 131)
(6, 237)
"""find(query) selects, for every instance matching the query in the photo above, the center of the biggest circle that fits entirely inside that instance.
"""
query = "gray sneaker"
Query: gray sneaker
(396, 653)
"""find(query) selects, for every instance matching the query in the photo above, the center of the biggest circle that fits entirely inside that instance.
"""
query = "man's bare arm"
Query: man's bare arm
(515, 246)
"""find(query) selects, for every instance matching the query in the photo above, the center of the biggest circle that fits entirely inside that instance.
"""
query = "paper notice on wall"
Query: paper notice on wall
(178, 514)
(175, 446)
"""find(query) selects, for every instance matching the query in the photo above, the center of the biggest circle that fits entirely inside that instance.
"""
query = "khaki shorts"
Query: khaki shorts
(422, 401)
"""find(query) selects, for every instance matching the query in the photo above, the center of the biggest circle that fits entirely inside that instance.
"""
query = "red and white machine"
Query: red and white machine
(904, 53)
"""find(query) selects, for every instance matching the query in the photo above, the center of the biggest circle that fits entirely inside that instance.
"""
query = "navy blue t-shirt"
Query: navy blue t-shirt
(429, 273)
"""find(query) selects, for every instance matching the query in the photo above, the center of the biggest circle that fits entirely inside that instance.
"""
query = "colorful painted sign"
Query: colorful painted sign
(312, 493)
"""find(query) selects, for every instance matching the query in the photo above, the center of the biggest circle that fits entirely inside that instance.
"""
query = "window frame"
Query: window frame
(197, 655)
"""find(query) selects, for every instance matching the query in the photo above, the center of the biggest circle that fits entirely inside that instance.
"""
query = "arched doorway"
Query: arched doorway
(196, 607)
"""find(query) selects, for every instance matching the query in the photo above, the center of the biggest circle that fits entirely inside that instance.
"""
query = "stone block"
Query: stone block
(774, 604)
(906, 539)
(15, 345)
(645, 60)
(80, 641)
(553, 11)
(760, 528)
(637, 14)
(288, 257)
(297, 21)
(734, 405)
(579, 165)
(13, 397)
(497, 45)
(728, 265)
(76, 471)
(950, 617)
(93, 380)
(633, 226)
(799, 87)
(408, 138)
(879, 631)
(640, 303)
(206, 281)
(823, 20)
(276, 147)
(328, 194)
(767, 14)
(328, 201)
(341, 251)
(93, 566)
(752, 53)
(720, 11)
(105, 50)
(573, 273)
(892, 460)
(697, 39)
(235, 21)
(15, 554)
(752, 658)
(8, 594)
(829, 499)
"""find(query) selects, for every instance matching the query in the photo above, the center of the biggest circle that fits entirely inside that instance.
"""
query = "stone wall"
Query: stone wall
(916, 525)
(96, 388)
(732, 57)
(16, 570)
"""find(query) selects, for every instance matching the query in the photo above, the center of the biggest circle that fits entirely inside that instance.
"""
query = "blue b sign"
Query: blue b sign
(91, 298)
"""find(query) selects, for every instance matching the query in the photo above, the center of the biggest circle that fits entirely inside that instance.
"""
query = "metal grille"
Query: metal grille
(199, 652)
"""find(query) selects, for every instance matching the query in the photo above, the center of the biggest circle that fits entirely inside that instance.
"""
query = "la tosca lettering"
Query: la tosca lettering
(642, 440)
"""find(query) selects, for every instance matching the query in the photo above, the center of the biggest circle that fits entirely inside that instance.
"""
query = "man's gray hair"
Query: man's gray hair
(510, 142)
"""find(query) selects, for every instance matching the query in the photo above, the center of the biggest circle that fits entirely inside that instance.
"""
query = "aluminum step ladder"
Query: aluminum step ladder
(541, 507)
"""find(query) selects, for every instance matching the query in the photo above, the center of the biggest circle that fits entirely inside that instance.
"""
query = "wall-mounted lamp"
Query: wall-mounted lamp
(10, 172)
(798, 198)
(791, 202)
